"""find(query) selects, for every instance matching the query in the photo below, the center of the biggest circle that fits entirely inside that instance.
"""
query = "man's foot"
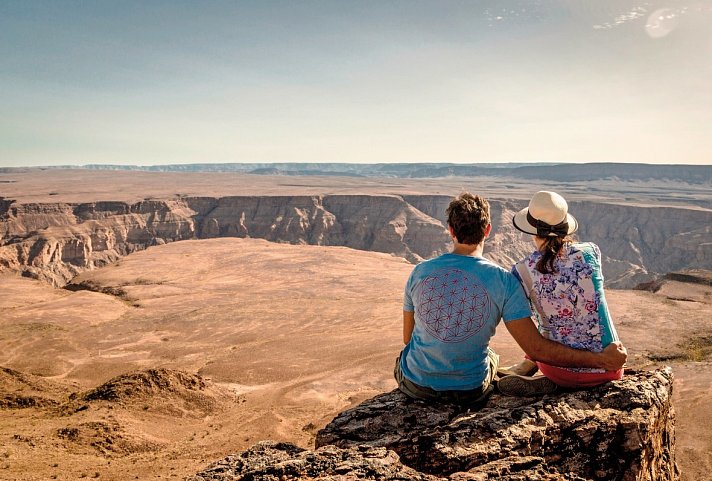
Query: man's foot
(524, 368)
(524, 386)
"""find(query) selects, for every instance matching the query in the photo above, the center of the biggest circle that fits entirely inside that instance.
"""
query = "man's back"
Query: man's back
(458, 301)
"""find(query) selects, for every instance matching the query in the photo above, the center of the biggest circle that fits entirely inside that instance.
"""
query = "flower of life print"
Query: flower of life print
(452, 305)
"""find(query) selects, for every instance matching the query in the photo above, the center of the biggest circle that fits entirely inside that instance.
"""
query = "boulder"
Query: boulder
(270, 461)
(623, 430)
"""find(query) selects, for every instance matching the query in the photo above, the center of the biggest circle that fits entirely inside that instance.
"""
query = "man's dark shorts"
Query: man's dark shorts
(471, 398)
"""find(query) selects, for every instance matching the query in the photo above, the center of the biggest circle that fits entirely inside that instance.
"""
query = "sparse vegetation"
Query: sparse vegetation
(696, 350)
(68, 433)
(140, 281)
(42, 326)
(116, 291)
(699, 349)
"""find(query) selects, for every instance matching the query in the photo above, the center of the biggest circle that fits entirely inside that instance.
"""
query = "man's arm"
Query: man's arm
(541, 349)
(408, 325)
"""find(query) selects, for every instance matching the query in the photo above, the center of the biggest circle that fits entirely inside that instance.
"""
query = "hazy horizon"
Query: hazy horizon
(110, 165)
(548, 81)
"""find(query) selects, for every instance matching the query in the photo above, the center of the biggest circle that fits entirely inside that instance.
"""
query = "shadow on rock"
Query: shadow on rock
(622, 430)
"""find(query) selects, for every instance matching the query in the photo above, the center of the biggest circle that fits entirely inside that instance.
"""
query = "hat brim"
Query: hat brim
(521, 223)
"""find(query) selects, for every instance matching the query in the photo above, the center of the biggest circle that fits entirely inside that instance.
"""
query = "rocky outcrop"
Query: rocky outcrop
(55, 242)
(175, 392)
(692, 276)
(622, 430)
(693, 285)
(619, 431)
(19, 390)
(270, 461)
(148, 383)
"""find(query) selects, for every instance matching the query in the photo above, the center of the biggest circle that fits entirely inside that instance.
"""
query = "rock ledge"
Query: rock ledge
(623, 430)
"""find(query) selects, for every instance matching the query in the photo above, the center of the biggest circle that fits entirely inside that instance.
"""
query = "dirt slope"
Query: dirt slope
(248, 340)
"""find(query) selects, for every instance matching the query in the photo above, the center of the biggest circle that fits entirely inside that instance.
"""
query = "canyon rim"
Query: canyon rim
(96, 287)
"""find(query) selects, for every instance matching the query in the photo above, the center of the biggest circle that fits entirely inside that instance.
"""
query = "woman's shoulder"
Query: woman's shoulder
(528, 261)
(586, 248)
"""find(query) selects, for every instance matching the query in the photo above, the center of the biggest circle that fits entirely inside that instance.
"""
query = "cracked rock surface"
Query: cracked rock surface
(622, 430)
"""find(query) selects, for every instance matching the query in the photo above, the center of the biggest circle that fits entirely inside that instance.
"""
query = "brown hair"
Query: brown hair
(469, 216)
(550, 249)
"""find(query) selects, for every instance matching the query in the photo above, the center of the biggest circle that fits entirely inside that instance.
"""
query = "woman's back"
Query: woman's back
(569, 304)
(564, 283)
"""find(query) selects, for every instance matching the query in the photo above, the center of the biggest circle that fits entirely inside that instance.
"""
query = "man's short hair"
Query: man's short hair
(469, 216)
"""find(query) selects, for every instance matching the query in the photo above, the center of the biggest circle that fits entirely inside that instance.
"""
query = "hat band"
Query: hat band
(545, 230)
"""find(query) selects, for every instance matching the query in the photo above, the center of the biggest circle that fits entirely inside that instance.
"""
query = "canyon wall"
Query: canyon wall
(54, 242)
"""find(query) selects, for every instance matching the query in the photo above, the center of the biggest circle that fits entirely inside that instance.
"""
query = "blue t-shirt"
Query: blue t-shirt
(458, 302)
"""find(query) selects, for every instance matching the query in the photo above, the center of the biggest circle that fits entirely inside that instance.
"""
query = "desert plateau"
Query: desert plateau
(152, 323)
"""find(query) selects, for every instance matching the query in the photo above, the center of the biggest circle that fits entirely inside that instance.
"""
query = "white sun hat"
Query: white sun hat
(547, 216)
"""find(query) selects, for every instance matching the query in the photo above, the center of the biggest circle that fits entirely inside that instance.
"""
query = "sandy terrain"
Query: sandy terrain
(286, 337)
(131, 186)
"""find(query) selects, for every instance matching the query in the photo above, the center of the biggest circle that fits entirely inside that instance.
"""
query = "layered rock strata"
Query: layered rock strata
(55, 242)
(620, 431)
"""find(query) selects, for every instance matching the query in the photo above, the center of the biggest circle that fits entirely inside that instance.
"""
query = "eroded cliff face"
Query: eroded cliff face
(55, 242)
(637, 241)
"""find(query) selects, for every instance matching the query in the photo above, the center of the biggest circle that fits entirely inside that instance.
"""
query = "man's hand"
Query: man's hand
(614, 356)
(524, 331)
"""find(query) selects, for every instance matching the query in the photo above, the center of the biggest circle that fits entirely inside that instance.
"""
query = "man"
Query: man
(451, 308)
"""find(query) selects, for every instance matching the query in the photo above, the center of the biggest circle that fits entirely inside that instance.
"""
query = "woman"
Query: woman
(564, 283)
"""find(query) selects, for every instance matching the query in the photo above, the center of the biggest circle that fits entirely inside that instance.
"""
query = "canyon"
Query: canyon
(153, 323)
(184, 353)
(56, 241)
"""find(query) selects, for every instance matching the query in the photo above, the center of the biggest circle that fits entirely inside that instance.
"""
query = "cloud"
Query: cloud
(634, 14)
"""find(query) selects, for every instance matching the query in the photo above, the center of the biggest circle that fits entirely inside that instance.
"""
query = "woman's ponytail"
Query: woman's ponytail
(550, 250)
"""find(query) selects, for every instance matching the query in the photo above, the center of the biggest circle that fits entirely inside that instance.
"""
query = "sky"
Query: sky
(167, 82)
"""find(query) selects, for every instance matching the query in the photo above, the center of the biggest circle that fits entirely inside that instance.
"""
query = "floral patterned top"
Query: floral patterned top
(569, 304)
